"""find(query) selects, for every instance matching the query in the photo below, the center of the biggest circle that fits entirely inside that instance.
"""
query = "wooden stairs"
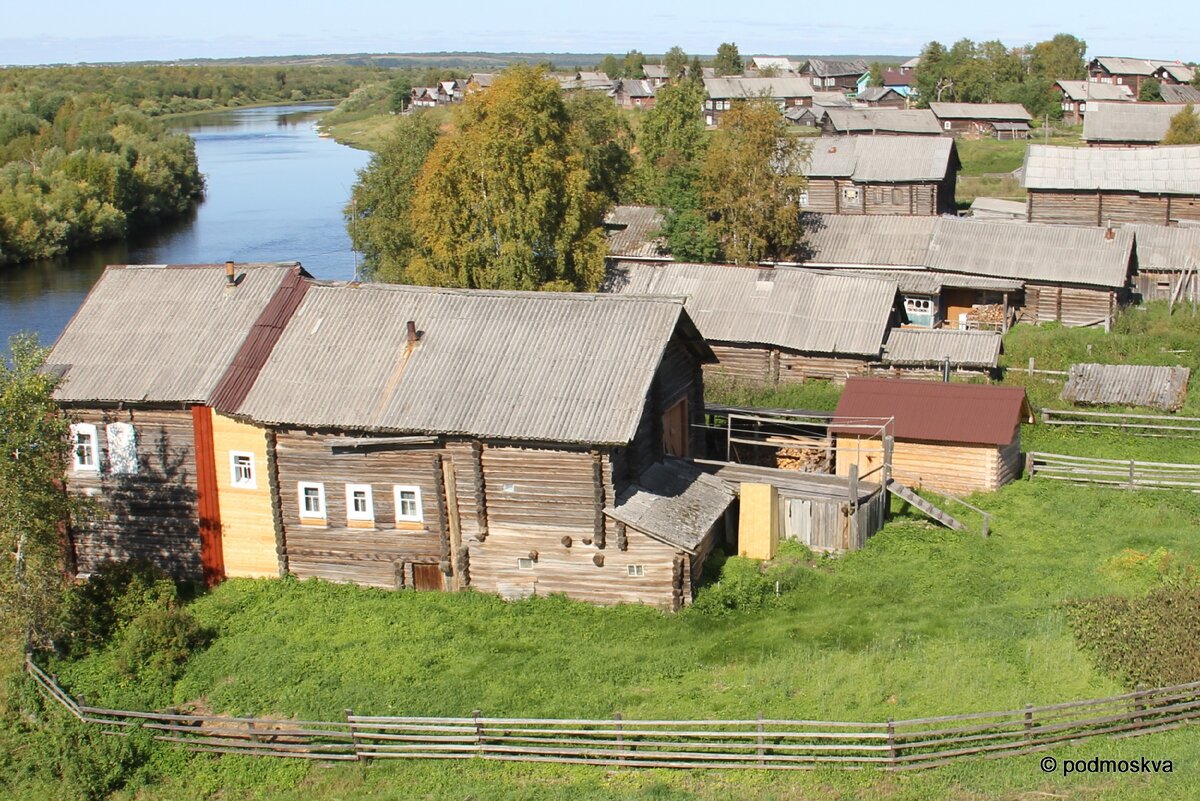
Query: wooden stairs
(915, 500)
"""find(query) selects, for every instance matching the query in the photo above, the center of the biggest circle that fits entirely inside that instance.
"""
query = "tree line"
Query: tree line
(512, 192)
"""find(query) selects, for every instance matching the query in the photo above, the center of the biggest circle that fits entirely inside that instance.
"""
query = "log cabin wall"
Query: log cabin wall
(1102, 207)
(1163, 285)
(844, 196)
(762, 365)
(939, 466)
(1071, 305)
(248, 545)
(379, 552)
(680, 376)
(149, 515)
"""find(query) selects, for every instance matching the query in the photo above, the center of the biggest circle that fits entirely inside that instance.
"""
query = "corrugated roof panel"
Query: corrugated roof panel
(868, 240)
(634, 231)
(1128, 122)
(1166, 249)
(673, 501)
(884, 159)
(160, 333)
(1012, 112)
(1171, 169)
(910, 346)
(1127, 385)
(890, 120)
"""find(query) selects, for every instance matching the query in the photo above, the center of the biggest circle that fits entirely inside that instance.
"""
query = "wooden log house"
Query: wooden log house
(883, 175)
(140, 364)
(880, 122)
(1133, 72)
(492, 440)
(1001, 120)
(720, 94)
(773, 325)
(1112, 186)
(955, 438)
(1078, 96)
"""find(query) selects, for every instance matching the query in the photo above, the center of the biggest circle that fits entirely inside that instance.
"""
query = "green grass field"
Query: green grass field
(923, 621)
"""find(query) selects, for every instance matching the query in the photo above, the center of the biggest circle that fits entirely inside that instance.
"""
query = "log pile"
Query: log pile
(989, 315)
(805, 460)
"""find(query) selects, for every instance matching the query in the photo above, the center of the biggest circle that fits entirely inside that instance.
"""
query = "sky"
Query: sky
(70, 31)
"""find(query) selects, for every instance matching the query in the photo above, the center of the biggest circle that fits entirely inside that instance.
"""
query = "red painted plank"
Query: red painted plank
(211, 556)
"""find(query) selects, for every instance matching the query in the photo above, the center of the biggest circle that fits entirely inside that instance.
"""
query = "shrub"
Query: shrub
(112, 597)
(156, 644)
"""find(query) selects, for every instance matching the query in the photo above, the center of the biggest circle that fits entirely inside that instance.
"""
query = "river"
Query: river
(275, 192)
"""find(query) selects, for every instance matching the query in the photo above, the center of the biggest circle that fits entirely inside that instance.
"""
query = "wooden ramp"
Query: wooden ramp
(901, 491)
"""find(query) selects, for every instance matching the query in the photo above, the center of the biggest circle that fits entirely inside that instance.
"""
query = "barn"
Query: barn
(947, 437)
(773, 325)
(1111, 186)
(880, 122)
(141, 364)
(1168, 262)
(885, 175)
(1002, 120)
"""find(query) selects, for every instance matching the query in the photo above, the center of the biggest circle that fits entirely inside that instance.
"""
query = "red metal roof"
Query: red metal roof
(977, 414)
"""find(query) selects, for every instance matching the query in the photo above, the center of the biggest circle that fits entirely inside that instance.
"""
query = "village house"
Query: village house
(882, 97)
(880, 122)
(1128, 124)
(423, 97)
(1174, 74)
(634, 94)
(779, 65)
(721, 93)
(948, 437)
(1112, 186)
(887, 175)
(1002, 120)
(142, 365)
(830, 74)
(1133, 72)
(1076, 95)
(478, 81)
(773, 325)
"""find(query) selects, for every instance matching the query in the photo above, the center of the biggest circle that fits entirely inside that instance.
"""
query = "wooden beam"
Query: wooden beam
(281, 552)
(481, 517)
(597, 500)
(457, 580)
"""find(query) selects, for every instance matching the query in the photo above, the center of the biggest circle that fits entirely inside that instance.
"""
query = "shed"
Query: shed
(949, 437)
(635, 233)
(911, 350)
(1128, 124)
(1167, 258)
(880, 121)
(1127, 385)
(1103, 186)
(828, 514)
(775, 325)
(992, 209)
(1004, 120)
(883, 96)
(880, 175)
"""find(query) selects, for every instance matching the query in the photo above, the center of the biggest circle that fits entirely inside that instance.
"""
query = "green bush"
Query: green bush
(155, 645)
(110, 599)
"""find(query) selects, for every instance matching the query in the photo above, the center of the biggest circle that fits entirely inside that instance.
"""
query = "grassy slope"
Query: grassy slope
(987, 162)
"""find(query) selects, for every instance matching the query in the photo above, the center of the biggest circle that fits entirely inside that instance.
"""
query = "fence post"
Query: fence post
(891, 741)
(353, 735)
(761, 729)
(620, 739)
(475, 713)
(1138, 706)
(986, 525)
(1028, 722)
(1030, 366)
(1132, 481)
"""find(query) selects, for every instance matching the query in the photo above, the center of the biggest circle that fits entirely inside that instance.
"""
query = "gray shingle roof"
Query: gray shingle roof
(1092, 91)
(1011, 112)
(868, 120)
(927, 282)
(869, 241)
(675, 502)
(1032, 252)
(910, 346)
(1128, 122)
(1180, 94)
(802, 310)
(530, 366)
(883, 159)
(633, 231)
(1118, 65)
(1169, 170)
(827, 68)
(1166, 249)
(1127, 385)
(874, 94)
(159, 333)
(995, 208)
(737, 88)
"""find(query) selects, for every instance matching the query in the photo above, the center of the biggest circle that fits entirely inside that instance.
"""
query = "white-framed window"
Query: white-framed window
(85, 450)
(804, 199)
(408, 504)
(241, 470)
(360, 505)
(636, 570)
(122, 448)
(946, 125)
(312, 500)
(524, 563)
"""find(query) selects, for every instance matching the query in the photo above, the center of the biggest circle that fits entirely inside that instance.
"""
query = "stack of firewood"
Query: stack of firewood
(987, 315)
(805, 460)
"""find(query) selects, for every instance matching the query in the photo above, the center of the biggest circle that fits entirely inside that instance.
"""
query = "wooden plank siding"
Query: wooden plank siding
(151, 515)
(247, 522)
(379, 555)
(844, 196)
(1071, 305)
(943, 467)
(773, 366)
(1102, 207)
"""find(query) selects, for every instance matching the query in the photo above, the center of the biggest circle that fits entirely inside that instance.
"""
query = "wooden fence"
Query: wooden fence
(1117, 473)
(1143, 425)
(760, 743)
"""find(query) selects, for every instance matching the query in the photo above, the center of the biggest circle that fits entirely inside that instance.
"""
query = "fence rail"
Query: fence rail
(761, 743)
(1116, 473)
(1142, 425)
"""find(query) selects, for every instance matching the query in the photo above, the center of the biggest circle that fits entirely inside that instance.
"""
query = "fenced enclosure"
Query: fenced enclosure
(1167, 426)
(1116, 473)
(760, 743)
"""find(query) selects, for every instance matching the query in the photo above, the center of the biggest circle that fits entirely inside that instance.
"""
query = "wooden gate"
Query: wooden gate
(427, 577)
(797, 520)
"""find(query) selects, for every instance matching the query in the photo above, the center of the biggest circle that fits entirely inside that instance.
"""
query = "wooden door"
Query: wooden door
(427, 577)
(675, 430)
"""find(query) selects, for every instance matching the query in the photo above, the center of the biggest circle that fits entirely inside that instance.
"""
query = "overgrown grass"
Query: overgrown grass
(988, 156)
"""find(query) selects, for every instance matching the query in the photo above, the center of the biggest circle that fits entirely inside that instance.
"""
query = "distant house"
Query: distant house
(901, 81)
(1133, 72)
(774, 325)
(478, 81)
(635, 233)
(1076, 95)
(882, 96)
(1128, 124)
(656, 74)
(423, 97)
(905, 175)
(779, 64)
(1174, 74)
(880, 122)
(910, 66)
(1101, 186)
(1002, 120)
(830, 74)
(1183, 93)
(955, 438)
(722, 93)
(634, 94)
(1167, 257)
(450, 92)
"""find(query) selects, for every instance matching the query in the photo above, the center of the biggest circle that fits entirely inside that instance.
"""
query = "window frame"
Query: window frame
(234, 481)
(351, 513)
(635, 571)
(320, 515)
(524, 563)
(88, 429)
(419, 517)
